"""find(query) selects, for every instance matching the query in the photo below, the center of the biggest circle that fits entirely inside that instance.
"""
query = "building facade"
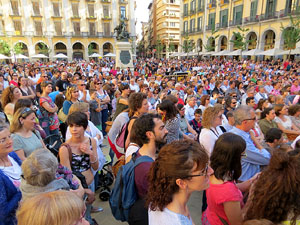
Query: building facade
(263, 18)
(76, 28)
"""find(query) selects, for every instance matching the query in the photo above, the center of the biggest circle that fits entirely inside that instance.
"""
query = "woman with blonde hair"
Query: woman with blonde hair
(211, 122)
(9, 97)
(72, 96)
(53, 208)
(25, 138)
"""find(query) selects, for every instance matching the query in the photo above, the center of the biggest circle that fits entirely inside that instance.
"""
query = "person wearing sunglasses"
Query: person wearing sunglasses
(180, 169)
(25, 138)
(104, 100)
(224, 195)
(44, 77)
(56, 208)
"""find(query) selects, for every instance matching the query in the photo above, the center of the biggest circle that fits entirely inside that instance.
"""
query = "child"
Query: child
(196, 123)
(95, 109)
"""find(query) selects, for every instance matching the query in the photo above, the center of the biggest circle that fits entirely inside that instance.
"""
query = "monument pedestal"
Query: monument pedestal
(123, 55)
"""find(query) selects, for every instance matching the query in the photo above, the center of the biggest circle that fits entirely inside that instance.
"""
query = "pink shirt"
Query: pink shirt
(295, 89)
(217, 195)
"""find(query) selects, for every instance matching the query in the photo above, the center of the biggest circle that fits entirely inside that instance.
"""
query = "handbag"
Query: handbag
(62, 116)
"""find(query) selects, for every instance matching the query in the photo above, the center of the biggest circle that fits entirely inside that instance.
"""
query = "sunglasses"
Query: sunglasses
(44, 76)
(99, 83)
(202, 173)
(81, 85)
(25, 112)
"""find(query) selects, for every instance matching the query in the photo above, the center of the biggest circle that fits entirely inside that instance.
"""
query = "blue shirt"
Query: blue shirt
(255, 157)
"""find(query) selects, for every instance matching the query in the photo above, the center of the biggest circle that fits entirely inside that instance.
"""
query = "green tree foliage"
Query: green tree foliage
(159, 46)
(291, 35)
(18, 48)
(210, 47)
(43, 48)
(239, 40)
(188, 45)
(5, 49)
(171, 47)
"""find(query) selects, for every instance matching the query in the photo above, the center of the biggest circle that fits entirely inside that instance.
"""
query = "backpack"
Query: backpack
(124, 193)
(123, 134)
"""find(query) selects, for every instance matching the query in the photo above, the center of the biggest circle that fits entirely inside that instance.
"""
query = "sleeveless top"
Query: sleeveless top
(119, 108)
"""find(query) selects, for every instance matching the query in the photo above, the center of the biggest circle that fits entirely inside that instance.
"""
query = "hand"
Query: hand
(79, 192)
(91, 196)
(84, 147)
(98, 136)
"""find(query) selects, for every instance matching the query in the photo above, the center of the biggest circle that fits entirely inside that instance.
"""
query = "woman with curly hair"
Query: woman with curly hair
(211, 122)
(10, 96)
(180, 169)
(276, 194)
(72, 96)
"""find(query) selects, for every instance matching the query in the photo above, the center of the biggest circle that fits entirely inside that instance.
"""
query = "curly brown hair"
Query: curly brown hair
(210, 114)
(8, 95)
(135, 102)
(276, 194)
(175, 161)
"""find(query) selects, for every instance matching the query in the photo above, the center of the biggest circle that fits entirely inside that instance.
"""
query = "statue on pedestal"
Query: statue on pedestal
(121, 32)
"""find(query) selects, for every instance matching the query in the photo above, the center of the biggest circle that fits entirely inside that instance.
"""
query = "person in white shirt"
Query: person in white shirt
(268, 86)
(211, 121)
(133, 86)
(190, 108)
(261, 94)
(84, 94)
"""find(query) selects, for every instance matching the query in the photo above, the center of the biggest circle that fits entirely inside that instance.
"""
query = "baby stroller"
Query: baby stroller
(53, 143)
(106, 179)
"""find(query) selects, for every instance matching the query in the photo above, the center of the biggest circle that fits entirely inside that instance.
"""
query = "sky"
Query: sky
(141, 14)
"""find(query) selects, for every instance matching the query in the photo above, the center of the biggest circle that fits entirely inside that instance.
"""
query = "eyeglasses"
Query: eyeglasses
(244, 155)
(202, 173)
(99, 83)
(233, 103)
(254, 118)
(81, 85)
(44, 76)
(81, 218)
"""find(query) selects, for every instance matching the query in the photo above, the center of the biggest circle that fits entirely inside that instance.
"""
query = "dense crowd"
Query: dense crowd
(228, 128)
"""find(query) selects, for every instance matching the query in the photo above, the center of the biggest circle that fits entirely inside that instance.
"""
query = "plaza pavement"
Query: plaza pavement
(106, 218)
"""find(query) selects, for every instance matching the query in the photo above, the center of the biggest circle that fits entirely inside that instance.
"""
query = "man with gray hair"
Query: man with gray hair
(261, 94)
(190, 108)
(256, 155)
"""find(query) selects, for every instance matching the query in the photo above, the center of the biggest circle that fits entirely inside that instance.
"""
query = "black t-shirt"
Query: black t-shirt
(62, 85)
(38, 88)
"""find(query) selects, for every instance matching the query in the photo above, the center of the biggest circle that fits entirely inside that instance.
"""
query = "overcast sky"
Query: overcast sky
(141, 14)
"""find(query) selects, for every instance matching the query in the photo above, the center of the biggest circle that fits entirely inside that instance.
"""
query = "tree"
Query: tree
(5, 49)
(43, 48)
(291, 35)
(239, 40)
(171, 47)
(159, 46)
(210, 47)
(18, 48)
(188, 45)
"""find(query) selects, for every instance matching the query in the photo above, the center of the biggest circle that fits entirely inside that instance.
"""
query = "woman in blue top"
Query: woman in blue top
(10, 178)
(72, 96)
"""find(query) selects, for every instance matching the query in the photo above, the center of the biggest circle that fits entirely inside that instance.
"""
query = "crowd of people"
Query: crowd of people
(228, 128)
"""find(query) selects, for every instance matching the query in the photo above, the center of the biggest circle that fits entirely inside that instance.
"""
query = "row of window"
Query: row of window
(223, 18)
(75, 9)
(58, 28)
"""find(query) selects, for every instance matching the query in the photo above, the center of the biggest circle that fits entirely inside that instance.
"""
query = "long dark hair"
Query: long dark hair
(226, 156)
(170, 108)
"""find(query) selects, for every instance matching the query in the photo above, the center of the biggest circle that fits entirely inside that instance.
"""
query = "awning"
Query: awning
(253, 52)
(236, 52)
(221, 53)
(273, 52)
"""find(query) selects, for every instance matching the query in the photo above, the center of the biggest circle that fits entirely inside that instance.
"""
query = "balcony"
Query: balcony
(251, 19)
(212, 5)
(223, 2)
(184, 33)
(200, 9)
(105, 1)
(210, 27)
(235, 22)
(107, 34)
(92, 17)
(191, 31)
(123, 1)
(107, 17)
(269, 16)
(198, 30)
(185, 14)
(192, 11)
(223, 24)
